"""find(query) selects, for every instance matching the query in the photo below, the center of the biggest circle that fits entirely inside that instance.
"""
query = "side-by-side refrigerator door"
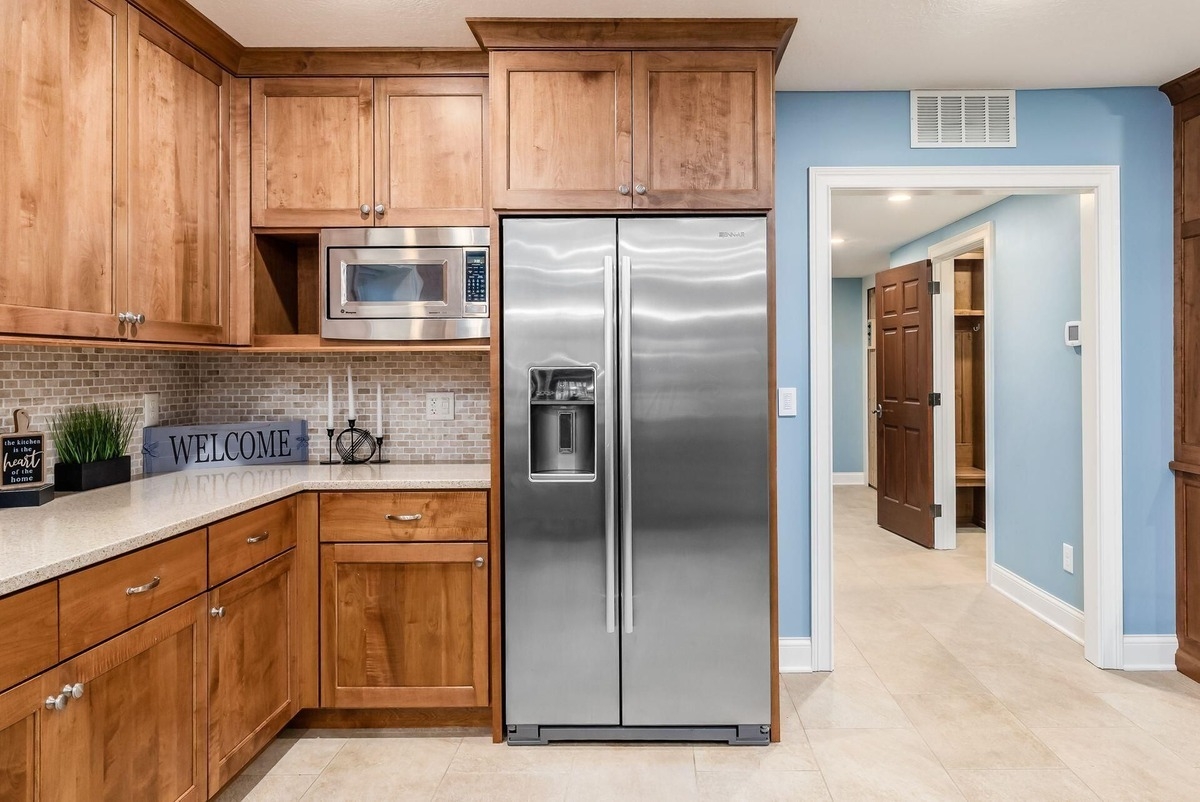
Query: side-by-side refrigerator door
(562, 649)
(695, 482)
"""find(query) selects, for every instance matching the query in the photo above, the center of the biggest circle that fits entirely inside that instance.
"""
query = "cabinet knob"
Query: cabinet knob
(380, 209)
(217, 612)
(365, 208)
(623, 189)
(74, 691)
(139, 318)
(123, 317)
(56, 702)
(640, 189)
(478, 562)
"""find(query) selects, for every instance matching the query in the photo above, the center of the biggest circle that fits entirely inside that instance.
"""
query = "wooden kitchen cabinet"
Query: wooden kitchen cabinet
(641, 130)
(404, 625)
(61, 188)
(138, 729)
(253, 664)
(22, 722)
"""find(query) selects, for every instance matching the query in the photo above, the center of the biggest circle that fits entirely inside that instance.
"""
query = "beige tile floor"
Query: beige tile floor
(943, 689)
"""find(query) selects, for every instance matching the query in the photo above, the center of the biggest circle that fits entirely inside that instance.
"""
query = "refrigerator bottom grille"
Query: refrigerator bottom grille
(740, 735)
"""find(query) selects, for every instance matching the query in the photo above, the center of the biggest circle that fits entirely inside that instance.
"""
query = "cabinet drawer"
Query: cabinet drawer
(101, 601)
(403, 516)
(240, 543)
(28, 633)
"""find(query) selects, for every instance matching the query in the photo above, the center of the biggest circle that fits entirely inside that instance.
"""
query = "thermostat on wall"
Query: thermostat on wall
(1071, 333)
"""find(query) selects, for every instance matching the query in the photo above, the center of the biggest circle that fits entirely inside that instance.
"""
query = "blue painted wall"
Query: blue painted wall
(1129, 127)
(849, 394)
(1038, 385)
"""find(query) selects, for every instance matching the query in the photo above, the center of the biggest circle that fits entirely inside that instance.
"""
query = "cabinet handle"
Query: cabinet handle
(73, 691)
(365, 208)
(258, 538)
(56, 702)
(640, 189)
(380, 209)
(151, 585)
(623, 189)
(416, 516)
(217, 612)
(478, 562)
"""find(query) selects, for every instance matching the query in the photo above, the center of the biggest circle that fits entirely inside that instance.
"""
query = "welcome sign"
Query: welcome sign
(177, 448)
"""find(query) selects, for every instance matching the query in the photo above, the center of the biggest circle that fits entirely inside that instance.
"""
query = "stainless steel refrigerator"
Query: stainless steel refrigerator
(636, 479)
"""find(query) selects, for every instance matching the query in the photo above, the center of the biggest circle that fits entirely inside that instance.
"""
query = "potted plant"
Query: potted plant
(91, 442)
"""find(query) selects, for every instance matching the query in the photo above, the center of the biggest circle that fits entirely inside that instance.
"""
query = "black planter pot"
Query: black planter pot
(90, 475)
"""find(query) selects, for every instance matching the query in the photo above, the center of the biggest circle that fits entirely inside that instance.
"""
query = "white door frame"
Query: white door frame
(1101, 330)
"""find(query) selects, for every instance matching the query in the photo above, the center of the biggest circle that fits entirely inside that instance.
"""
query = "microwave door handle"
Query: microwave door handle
(344, 283)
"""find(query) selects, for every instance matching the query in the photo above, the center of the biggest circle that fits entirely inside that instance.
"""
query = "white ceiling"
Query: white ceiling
(838, 44)
(873, 226)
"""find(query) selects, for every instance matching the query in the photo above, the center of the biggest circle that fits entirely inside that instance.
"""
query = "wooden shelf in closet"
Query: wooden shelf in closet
(968, 313)
(969, 476)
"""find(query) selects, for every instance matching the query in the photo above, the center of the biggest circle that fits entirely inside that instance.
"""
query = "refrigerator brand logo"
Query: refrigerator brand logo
(727, 234)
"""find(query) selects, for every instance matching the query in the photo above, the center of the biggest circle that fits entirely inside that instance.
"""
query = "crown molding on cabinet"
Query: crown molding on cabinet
(194, 28)
(261, 62)
(1185, 87)
(550, 33)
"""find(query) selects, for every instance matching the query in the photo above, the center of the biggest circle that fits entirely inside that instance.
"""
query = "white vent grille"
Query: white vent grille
(964, 119)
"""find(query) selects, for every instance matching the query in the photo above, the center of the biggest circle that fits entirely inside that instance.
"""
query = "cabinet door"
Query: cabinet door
(1187, 284)
(311, 152)
(704, 130)
(22, 713)
(138, 731)
(561, 130)
(178, 186)
(430, 152)
(59, 186)
(252, 664)
(404, 625)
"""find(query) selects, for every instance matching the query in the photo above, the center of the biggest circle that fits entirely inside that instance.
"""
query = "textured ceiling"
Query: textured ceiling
(838, 44)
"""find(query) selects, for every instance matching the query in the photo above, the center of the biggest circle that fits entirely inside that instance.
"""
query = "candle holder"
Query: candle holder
(331, 460)
(379, 451)
(354, 445)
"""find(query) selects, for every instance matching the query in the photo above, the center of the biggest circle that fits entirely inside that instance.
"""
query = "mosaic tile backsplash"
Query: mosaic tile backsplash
(225, 387)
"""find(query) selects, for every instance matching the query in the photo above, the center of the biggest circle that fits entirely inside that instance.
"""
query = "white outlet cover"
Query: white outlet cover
(787, 402)
(1068, 558)
(151, 409)
(439, 406)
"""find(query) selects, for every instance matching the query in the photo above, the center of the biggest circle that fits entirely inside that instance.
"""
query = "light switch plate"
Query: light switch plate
(787, 402)
(1068, 558)
(439, 406)
(151, 411)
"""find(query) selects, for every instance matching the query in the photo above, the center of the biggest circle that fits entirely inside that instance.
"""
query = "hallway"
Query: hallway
(942, 687)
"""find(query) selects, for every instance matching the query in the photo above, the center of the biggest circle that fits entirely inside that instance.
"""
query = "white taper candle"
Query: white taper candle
(379, 407)
(329, 405)
(350, 391)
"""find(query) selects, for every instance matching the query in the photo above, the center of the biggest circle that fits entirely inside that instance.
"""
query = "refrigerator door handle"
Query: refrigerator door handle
(610, 449)
(626, 325)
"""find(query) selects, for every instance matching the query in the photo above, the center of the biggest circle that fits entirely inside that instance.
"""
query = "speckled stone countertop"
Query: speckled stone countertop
(79, 529)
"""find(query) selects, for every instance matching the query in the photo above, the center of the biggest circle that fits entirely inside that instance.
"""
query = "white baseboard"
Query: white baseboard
(1051, 609)
(795, 655)
(859, 478)
(1149, 652)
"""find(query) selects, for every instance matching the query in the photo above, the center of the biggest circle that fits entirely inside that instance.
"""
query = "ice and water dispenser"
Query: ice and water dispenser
(562, 424)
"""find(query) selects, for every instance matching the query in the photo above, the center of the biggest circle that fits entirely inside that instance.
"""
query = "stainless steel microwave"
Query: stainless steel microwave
(404, 283)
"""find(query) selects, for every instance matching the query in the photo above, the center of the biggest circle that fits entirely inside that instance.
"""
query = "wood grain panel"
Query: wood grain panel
(389, 718)
(404, 625)
(94, 605)
(561, 130)
(240, 295)
(253, 663)
(1187, 352)
(495, 496)
(21, 712)
(308, 583)
(431, 148)
(312, 152)
(704, 130)
(178, 255)
(29, 623)
(1189, 132)
(140, 729)
(355, 62)
(1187, 567)
(195, 28)
(444, 515)
(242, 542)
(62, 80)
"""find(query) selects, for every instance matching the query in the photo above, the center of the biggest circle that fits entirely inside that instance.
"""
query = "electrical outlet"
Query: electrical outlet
(150, 409)
(439, 406)
(787, 402)
(1068, 559)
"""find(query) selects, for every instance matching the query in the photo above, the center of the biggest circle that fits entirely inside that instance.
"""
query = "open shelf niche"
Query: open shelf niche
(969, 317)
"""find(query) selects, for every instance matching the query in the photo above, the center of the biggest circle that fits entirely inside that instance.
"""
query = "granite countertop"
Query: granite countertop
(79, 529)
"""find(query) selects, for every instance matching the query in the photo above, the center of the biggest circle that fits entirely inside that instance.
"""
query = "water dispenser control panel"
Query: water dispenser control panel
(562, 424)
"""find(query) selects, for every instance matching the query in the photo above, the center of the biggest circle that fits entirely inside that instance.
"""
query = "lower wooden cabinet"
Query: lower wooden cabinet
(404, 625)
(252, 664)
(138, 729)
(22, 711)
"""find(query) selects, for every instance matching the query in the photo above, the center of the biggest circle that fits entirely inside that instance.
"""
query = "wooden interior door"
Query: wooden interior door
(22, 711)
(431, 149)
(904, 375)
(61, 74)
(703, 130)
(872, 395)
(404, 625)
(138, 731)
(178, 182)
(561, 128)
(253, 663)
(312, 159)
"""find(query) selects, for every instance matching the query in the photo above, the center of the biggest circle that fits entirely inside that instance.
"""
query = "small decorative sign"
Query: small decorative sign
(22, 454)
(177, 448)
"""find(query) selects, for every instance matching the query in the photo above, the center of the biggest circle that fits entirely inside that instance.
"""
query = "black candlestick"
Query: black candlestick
(379, 451)
(331, 460)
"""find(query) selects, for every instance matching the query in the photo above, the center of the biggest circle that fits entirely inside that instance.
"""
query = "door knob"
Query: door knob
(365, 208)
(623, 189)
(640, 189)
(878, 411)
(380, 209)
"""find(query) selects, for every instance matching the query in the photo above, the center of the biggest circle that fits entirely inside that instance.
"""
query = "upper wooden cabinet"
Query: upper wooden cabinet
(357, 152)
(61, 186)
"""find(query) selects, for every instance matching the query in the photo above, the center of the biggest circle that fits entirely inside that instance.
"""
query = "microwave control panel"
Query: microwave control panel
(477, 280)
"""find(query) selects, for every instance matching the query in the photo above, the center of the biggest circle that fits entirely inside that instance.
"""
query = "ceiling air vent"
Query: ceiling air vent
(964, 119)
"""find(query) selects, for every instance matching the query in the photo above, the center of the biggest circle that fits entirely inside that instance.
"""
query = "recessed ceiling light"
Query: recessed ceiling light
(836, 240)
(899, 197)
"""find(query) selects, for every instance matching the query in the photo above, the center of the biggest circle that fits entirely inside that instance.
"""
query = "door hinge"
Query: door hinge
(935, 288)
(935, 510)
(935, 399)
